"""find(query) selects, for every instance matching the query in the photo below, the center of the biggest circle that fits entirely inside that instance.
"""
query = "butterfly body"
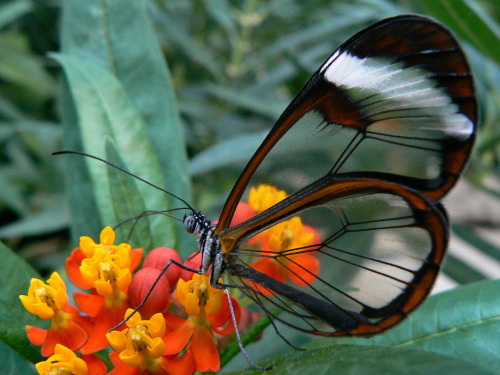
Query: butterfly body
(389, 120)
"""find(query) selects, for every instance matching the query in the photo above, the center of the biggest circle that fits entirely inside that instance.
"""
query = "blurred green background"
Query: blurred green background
(235, 66)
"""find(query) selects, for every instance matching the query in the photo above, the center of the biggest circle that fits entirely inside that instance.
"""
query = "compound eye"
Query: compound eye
(190, 224)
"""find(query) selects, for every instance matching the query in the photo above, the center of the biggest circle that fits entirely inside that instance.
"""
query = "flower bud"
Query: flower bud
(141, 284)
(159, 257)
(194, 262)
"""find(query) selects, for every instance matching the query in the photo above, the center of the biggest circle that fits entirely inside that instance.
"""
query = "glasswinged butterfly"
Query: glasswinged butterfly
(369, 146)
(390, 120)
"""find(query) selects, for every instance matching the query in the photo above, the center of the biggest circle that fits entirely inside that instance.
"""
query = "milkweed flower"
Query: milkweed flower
(209, 313)
(141, 348)
(50, 301)
(288, 245)
(63, 361)
(107, 269)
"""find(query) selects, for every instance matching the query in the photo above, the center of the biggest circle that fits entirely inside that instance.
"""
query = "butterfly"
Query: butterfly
(368, 148)
(389, 122)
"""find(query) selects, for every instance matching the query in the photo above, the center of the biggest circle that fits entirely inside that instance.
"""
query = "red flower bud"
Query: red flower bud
(141, 284)
(159, 257)
(194, 261)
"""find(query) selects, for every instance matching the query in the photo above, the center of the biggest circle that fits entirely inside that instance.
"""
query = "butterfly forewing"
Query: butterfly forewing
(395, 102)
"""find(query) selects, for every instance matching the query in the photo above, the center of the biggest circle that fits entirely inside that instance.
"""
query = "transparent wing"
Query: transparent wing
(395, 102)
(380, 251)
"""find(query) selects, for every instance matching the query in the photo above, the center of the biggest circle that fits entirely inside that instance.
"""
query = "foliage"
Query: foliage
(233, 66)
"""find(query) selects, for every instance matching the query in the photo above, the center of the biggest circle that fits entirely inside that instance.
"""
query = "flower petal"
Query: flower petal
(107, 318)
(224, 317)
(90, 304)
(94, 364)
(71, 336)
(73, 264)
(204, 351)
(303, 269)
(184, 365)
(135, 258)
(177, 340)
(36, 335)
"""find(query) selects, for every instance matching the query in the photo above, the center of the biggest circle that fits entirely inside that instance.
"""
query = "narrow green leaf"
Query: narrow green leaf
(81, 199)
(103, 111)
(126, 200)
(15, 280)
(362, 360)
(49, 220)
(119, 37)
(460, 271)
(475, 240)
(233, 150)
(13, 10)
(20, 66)
(469, 23)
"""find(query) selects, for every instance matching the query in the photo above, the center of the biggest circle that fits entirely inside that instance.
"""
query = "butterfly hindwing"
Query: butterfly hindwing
(381, 249)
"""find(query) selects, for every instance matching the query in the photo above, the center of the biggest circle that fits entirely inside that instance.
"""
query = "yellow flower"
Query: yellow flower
(62, 362)
(264, 196)
(120, 253)
(44, 300)
(198, 297)
(103, 271)
(289, 234)
(141, 342)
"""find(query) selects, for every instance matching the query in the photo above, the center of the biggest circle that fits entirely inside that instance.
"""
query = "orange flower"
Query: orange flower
(50, 301)
(290, 238)
(141, 349)
(107, 268)
(121, 254)
(209, 312)
(64, 361)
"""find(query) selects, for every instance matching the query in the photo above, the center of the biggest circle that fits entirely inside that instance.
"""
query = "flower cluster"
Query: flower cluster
(156, 341)
(183, 323)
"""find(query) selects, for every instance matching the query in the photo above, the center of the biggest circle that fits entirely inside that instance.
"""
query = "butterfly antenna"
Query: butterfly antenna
(125, 171)
(238, 337)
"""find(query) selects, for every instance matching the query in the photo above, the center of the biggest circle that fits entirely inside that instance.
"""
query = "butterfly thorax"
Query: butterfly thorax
(208, 244)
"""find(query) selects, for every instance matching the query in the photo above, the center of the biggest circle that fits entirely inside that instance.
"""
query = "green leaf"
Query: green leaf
(231, 151)
(49, 220)
(373, 360)
(118, 36)
(13, 363)
(104, 111)
(16, 276)
(461, 323)
(469, 22)
(19, 66)
(126, 199)
(13, 10)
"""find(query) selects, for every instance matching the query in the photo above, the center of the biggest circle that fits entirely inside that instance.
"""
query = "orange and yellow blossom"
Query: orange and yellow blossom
(107, 268)
(141, 349)
(50, 301)
(209, 312)
(290, 238)
(62, 362)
